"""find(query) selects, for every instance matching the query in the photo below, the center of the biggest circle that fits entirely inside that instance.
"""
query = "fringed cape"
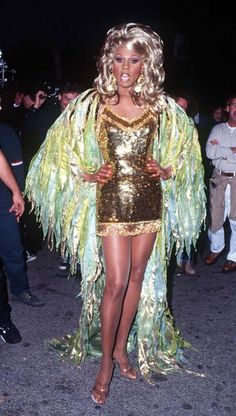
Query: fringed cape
(65, 205)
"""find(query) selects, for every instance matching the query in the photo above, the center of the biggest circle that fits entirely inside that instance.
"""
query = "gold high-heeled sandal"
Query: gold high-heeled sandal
(101, 390)
(127, 371)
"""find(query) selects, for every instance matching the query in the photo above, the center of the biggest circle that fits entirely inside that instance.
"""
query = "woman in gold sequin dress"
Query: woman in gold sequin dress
(129, 197)
(115, 134)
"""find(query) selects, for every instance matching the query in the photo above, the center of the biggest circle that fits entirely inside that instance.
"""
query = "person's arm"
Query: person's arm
(39, 99)
(7, 177)
(214, 148)
(156, 171)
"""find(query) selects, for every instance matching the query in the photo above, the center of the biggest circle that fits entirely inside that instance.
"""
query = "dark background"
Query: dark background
(57, 42)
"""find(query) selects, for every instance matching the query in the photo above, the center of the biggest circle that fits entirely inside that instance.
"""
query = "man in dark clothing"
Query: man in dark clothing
(31, 120)
(8, 332)
(11, 249)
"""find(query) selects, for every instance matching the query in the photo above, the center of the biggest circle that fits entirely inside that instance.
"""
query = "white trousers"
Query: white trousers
(217, 238)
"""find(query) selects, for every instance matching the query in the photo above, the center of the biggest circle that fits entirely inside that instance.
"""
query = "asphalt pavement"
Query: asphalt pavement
(35, 382)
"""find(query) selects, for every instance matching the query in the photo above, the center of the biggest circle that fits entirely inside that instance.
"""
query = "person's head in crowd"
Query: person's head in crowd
(183, 100)
(68, 92)
(231, 110)
(33, 95)
(219, 114)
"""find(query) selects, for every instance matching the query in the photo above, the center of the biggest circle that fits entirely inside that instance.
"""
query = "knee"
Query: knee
(115, 288)
(136, 275)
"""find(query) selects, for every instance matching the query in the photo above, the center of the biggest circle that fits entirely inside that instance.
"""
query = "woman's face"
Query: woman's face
(127, 66)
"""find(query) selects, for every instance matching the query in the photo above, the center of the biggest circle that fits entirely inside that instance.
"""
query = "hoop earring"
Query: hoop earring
(112, 86)
(139, 85)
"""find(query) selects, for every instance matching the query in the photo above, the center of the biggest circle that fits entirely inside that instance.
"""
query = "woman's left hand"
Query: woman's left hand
(156, 171)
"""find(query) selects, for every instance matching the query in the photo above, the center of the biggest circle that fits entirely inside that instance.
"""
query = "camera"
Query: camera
(51, 93)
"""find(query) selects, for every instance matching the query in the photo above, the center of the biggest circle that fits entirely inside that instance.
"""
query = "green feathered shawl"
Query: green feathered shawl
(65, 205)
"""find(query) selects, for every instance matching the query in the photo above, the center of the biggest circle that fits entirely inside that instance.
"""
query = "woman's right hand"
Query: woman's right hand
(102, 176)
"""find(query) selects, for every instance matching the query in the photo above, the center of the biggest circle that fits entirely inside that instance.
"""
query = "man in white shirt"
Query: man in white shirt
(221, 149)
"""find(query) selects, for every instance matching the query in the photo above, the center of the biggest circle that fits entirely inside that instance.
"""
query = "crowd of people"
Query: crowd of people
(118, 177)
(23, 126)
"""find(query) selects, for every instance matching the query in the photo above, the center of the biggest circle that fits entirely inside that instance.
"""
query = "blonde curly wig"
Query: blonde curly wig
(146, 43)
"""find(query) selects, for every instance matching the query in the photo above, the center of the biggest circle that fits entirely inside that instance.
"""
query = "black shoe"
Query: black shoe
(9, 333)
(28, 298)
(64, 263)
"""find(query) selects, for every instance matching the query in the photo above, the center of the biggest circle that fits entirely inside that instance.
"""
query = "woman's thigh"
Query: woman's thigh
(117, 257)
(141, 249)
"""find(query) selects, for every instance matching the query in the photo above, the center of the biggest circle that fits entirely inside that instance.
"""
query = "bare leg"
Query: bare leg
(117, 255)
(141, 249)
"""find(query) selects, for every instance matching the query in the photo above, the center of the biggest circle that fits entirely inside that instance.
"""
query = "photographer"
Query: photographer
(31, 119)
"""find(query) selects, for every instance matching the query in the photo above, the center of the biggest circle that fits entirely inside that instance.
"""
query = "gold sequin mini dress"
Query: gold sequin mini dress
(130, 202)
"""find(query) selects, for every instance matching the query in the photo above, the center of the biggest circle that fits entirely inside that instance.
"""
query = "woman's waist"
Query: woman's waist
(131, 185)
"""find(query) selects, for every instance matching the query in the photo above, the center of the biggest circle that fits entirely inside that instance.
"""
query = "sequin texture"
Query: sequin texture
(130, 202)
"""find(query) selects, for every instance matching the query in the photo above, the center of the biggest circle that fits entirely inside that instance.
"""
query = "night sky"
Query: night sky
(57, 42)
